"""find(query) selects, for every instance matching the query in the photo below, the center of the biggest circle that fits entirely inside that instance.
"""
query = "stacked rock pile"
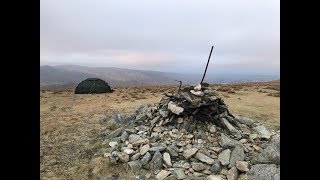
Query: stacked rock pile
(192, 135)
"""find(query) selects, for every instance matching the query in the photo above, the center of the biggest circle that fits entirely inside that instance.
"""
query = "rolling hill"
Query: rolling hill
(71, 75)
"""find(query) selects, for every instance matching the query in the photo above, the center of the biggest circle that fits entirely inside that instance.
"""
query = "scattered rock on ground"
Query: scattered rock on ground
(224, 157)
(135, 157)
(198, 166)
(146, 158)
(263, 172)
(113, 144)
(124, 136)
(212, 129)
(134, 138)
(244, 177)
(237, 154)
(171, 177)
(232, 174)
(214, 177)
(162, 174)
(242, 166)
(188, 153)
(227, 142)
(245, 120)
(269, 155)
(216, 167)
(156, 161)
(262, 132)
(135, 165)
(204, 158)
(115, 133)
(167, 159)
(123, 157)
(145, 148)
(180, 174)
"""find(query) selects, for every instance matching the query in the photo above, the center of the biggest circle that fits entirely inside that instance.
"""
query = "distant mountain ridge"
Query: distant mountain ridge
(71, 75)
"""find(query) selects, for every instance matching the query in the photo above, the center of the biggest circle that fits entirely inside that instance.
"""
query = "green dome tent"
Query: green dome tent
(93, 86)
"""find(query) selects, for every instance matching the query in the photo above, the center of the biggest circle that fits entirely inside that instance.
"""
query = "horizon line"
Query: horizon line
(212, 73)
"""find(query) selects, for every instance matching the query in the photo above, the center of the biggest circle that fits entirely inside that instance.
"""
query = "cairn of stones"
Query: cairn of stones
(191, 134)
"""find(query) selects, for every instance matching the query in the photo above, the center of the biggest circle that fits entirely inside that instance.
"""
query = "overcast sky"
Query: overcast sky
(163, 35)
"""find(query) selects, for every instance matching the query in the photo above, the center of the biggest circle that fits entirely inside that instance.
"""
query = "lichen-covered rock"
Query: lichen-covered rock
(135, 165)
(146, 158)
(263, 172)
(216, 167)
(180, 173)
(269, 155)
(156, 161)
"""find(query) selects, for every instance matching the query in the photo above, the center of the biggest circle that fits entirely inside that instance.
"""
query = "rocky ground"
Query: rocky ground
(205, 154)
(160, 142)
(74, 127)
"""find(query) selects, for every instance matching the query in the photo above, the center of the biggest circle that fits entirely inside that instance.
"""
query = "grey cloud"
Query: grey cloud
(177, 33)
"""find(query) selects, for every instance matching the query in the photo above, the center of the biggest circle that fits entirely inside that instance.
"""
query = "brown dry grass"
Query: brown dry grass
(225, 88)
(72, 126)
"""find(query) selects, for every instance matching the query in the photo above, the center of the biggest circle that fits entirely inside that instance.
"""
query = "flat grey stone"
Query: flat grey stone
(146, 158)
(216, 167)
(135, 165)
(159, 148)
(224, 157)
(214, 177)
(134, 138)
(135, 157)
(180, 173)
(172, 150)
(164, 113)
(167, 159)
(245, 120)
(237, 154)
(262, 132)
(115, 133)
(198, 166)
(242, 166)
(227, 142)
(156, 161)
(140, 142)
(204, 158)
(188, 153)
(141, 117)
(262, 172)
(171, 177)
(124, 136)
(232, 174)
(123, 157)
(269, 155)
(144, 149)
(162, 174)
